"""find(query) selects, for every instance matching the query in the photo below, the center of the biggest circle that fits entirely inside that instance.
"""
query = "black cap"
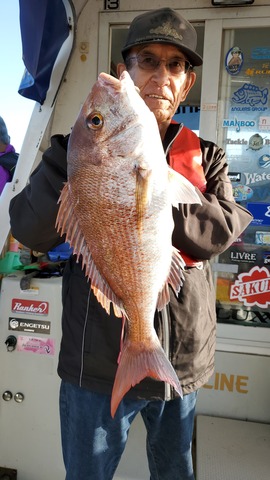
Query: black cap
(163, 26)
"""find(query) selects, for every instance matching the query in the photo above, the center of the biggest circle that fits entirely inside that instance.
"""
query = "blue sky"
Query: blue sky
(15, 109)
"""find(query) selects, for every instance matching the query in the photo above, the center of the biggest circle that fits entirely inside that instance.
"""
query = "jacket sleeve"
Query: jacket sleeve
(204, 231)
(33, 211)
(4, 178)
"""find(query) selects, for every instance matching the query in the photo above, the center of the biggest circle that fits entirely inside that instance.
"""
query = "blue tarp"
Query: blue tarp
(44, 28)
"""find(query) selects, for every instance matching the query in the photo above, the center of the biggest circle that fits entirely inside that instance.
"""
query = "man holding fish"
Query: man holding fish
(145, 204)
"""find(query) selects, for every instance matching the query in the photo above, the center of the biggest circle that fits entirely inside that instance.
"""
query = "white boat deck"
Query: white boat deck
(232, 449)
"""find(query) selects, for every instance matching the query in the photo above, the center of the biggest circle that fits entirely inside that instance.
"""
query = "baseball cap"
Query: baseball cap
(163, 26)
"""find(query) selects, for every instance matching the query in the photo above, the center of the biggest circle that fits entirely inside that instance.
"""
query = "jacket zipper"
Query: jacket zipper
(166, 346)
(165, 314)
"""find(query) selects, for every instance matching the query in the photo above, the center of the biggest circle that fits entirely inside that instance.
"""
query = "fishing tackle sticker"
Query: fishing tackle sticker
(252, 288)
(26, 325)
(250, 95)
(234, 61)
(260, 212)
(243, 256)
(264, 161)
(238, 124)
(242, 193)
(255, 142)
(29, 307)
(36, 345)
(262, 238)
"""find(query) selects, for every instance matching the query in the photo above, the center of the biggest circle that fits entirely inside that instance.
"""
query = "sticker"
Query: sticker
(234, 176)
(25, 325)
(266, 258)
(234, 61)
(264, 70)
(36, 345)
(255, 142)
(243, 257)
(31, 307)
(264, 123)
(252, 288)
(242, 193)
(260, 212)
(250, 95)
(253, 178)
(264, 161)
(238, 124)
(262, 238)
(260, 53)
(237, 141)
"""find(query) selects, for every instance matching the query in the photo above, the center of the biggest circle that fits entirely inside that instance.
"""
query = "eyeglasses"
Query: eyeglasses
(150, 63)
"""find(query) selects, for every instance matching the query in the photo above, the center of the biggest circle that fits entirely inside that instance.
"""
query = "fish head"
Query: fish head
(113, 122)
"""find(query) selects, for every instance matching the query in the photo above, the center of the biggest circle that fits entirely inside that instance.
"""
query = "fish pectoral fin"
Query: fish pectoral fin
(181, 189)
(175, 279)
(143, 191)
(138, 362)
(67, 223)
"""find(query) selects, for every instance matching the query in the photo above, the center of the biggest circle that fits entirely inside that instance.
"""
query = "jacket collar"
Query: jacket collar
(173, 130)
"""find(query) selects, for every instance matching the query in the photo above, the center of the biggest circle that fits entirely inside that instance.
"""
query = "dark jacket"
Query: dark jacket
(91, 339)
(8, 161)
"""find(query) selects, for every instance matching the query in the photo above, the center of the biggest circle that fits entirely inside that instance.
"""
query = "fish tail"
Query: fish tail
(137, 363)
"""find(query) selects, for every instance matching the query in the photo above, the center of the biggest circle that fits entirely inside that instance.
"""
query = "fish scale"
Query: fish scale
(116, 212)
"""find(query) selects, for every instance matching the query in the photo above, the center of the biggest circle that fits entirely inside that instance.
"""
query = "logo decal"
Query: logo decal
(250, 95)
(31, 307)
(252, 288)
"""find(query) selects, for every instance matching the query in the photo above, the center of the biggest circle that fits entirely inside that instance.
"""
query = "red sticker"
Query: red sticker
(32, 307)
(252, 288)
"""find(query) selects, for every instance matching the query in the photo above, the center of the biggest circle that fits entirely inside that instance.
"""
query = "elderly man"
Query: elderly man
(160, 53)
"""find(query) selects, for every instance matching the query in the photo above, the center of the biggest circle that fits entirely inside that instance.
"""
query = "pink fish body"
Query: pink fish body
(116, 211)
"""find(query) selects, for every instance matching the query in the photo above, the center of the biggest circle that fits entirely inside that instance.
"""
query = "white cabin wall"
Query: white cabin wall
(84, 65)
(81, 72)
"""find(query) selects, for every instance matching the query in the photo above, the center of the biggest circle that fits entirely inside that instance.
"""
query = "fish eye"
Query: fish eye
(94, 121)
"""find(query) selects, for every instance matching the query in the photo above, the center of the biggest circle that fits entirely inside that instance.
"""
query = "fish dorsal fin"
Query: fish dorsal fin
(181, 190)
(68, 224)
(175, 279)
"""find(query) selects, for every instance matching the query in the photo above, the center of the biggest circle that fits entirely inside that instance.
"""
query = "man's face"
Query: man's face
(161, 90)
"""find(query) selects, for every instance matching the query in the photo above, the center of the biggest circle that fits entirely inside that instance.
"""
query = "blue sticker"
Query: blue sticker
(238, 124)
(260, 212)
(234, 61)
(260, 53)
(264, 161)
(250, 95)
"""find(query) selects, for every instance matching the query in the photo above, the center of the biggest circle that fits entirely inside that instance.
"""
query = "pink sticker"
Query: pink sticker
(36, 345)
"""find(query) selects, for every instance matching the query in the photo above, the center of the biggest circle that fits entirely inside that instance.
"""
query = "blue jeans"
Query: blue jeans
(93, 442)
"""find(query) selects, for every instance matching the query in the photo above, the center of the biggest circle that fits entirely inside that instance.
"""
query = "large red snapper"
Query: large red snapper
(116, 211)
